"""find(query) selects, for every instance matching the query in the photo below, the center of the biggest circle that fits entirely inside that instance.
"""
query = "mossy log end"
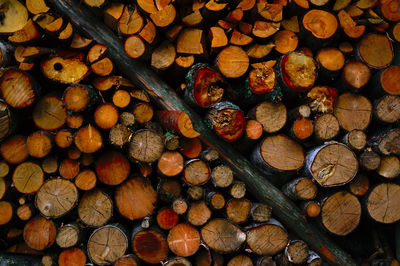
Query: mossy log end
(167, 99)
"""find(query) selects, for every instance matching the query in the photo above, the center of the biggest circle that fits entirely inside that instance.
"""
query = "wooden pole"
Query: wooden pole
(164, 96)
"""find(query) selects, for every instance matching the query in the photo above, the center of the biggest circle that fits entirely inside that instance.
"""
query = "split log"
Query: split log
(65, 68)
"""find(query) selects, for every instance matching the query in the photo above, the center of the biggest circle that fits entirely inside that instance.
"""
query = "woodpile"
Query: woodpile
(279, 144)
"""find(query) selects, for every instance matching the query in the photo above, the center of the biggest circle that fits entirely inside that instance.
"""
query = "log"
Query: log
(216, 230)
(340, 213)
(18, 89)
(326, 127)
(227, 120)
(386, 109)
(73, 256)
(95, 208)
(300, 189)
(369, 56)
(253, 178)
(386, 141)
(50, 164)
(56, 198)
(198, 213)
(39, 233)
(382, 204)
(260, 212)
(359, 186)
(112, 168)
(68, 235)
(184, 240)
(353, 111)
(7, 212)
(238, 210)
(287, 156)
(107, 244)
(196, 172)
(222, 176)
(215, 200)
(14, 149)
(127, 260)
(271, 233)
(331, 164)
(272, 116)
(370, 160)
(39, 144)
(240, 260)
(389, 167)
(28, 177)
(150, 245)
(204, 86)
(69, 168)
(296, 251)
(49, 113)
(135, 198)
(355, 140)
(146, 146)
(167, 218)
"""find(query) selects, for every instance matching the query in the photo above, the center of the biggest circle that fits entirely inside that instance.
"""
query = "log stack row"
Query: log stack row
(92, 170)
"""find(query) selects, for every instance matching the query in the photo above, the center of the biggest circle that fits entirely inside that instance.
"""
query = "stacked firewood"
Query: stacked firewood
(92, 170)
